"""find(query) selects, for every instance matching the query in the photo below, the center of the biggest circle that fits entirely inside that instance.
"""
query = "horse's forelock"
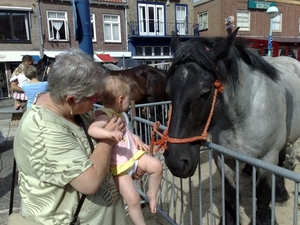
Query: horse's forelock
(194, 50)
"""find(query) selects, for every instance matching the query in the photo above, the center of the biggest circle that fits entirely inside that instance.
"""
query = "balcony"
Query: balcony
(157, 29)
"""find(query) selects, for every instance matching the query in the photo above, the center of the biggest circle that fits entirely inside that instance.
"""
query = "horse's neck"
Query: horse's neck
(235, 101)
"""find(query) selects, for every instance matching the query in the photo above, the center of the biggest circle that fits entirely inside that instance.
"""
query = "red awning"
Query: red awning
(106, 58)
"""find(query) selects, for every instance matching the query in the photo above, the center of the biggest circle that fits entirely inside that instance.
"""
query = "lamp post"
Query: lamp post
(272, 13)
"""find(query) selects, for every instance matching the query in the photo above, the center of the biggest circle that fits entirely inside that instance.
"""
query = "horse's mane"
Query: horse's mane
(227, 67)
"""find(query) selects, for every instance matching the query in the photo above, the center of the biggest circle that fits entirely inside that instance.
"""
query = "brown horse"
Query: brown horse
(148, 84)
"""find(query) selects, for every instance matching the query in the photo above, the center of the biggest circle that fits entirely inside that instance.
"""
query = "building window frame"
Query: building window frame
(112, 28)
(203, 20)
(277, 23)
(16, 26)
(151, 19)
(153, 51)
(93, 27)
(181, 17)
(57, 22)
(243, 20)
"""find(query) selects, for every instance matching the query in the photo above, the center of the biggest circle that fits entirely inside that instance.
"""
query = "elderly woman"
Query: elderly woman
(53, 155)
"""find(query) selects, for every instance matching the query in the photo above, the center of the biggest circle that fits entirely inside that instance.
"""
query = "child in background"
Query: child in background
(19, 76)
(34, 86)
(129, 152)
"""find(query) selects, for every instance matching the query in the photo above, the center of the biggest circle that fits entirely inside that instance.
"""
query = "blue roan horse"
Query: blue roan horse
(256, 114)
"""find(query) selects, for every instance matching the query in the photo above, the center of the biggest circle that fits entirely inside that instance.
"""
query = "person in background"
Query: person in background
(129, 153)
(14, 85)
(19, 76)
(55, 162)
(34, 86)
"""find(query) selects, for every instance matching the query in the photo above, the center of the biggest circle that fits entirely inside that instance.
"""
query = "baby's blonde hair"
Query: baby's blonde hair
(111, 88)
(20, 69)
(30, 72)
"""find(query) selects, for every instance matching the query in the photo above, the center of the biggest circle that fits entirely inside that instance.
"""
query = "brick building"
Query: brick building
(254, 23)
(38, 27)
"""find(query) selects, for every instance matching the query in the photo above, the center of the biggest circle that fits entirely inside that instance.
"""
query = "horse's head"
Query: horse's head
(42, 67)
(191, 86)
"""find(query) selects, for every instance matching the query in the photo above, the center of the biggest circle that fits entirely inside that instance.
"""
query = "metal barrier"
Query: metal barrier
(201, 199)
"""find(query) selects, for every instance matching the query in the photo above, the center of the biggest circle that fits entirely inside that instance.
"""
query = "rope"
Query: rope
(162, 143)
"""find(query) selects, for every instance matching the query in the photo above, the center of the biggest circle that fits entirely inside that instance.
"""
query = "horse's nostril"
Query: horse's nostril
(185, 161)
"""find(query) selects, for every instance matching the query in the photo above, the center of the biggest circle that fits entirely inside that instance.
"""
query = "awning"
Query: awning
(106, 58)
(36, 58)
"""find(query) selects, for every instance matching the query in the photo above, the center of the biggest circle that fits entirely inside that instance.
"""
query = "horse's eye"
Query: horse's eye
(205, 92)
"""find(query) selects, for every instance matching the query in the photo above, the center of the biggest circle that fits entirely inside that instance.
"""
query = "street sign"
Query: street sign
(270, 40)
(252, 4)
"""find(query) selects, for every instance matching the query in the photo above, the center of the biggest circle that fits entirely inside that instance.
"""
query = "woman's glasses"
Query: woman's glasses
(93, 99)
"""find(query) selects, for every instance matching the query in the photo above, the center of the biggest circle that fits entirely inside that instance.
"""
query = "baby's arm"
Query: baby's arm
(97, 130)
(139, 143)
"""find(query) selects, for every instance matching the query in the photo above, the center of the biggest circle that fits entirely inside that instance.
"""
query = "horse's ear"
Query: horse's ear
(45, 57)
(221, 49)
(175, 41)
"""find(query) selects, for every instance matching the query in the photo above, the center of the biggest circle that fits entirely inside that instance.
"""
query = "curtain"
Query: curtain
(57, 24)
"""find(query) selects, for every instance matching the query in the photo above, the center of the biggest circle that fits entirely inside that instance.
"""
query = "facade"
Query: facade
(47, 27)
(120, 29)
(150, 26)
(254, 23)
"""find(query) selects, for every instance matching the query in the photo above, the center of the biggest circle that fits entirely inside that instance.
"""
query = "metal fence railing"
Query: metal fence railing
(200, 199)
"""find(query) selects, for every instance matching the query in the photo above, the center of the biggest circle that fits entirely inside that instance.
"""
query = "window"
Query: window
(181, 20)
(14, 26)
(151, 19)
(277, 23)
(167, 50)
(148, 51)
(153, 51)
(243, 20)
(112, 28)
(138, 50)
(93, 27)
(203, 21)
(57, 26)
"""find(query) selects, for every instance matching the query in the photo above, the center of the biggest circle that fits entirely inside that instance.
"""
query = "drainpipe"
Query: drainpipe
(126, 27)
(40, 29)
(84, 26)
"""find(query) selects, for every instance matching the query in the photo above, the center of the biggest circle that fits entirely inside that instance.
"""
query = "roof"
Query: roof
(106, 58)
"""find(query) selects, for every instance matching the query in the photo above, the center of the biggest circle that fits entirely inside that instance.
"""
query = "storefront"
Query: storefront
(281, 47)
(9, 61)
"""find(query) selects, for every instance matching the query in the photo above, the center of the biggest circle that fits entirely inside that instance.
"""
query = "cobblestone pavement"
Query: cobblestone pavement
(7, 132)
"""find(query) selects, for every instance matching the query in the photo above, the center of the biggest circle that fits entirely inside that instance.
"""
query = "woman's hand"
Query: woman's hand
(138, 173)
(115, 124)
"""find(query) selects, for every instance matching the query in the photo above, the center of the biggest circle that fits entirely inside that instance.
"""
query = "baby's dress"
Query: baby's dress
(22, 79)
(124, 154)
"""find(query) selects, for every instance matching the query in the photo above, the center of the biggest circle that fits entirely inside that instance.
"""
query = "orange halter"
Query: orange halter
(162, 143)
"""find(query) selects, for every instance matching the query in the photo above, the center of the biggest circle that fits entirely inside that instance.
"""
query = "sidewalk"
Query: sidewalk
(6, 163)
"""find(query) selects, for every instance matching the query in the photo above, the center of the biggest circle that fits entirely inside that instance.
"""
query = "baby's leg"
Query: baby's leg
(18, 104)
(128, 191)
(154, 167)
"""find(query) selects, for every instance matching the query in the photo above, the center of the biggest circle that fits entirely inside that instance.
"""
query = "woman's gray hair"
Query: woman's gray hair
(74, 73)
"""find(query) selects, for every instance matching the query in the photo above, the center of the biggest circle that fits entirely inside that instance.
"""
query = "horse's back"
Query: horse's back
(287, 66)
(289, 81)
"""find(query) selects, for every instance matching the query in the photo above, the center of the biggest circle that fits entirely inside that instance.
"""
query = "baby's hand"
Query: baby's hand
(117, 135)
(142, 146)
